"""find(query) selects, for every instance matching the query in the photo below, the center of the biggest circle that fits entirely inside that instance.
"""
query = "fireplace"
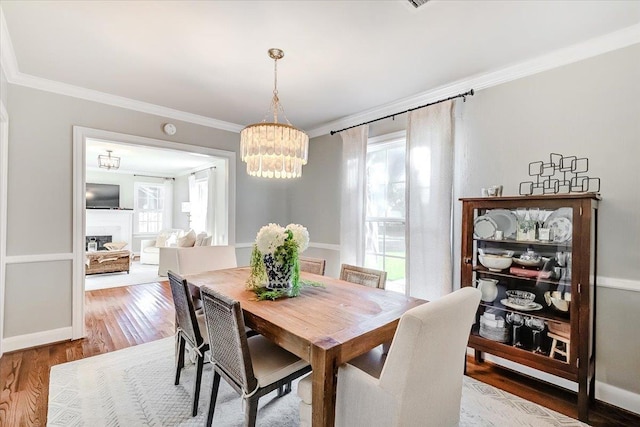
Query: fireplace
(100, 240)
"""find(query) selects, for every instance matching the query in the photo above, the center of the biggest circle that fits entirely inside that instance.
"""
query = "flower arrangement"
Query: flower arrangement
(275, 268)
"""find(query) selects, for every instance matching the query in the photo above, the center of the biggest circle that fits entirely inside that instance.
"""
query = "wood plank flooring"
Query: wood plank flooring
(122, 317)
(115, 318)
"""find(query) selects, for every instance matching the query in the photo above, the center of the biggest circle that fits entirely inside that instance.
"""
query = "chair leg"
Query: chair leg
(196, 391)
(251, 412)
(180, 364)
(214, 396)
(284, 389)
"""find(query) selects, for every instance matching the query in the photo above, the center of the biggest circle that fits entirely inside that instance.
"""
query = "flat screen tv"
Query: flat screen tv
(102, 196)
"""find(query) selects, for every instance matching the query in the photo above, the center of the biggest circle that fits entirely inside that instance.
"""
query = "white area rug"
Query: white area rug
(134, 387)
(138, 274)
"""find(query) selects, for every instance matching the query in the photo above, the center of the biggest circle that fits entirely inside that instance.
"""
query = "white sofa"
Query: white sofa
(196, 259)
(150, 248)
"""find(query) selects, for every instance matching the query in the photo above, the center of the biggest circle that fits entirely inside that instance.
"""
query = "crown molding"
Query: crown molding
(587, 49)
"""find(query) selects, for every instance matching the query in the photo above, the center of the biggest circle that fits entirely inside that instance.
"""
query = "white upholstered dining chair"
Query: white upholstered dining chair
(419, 382)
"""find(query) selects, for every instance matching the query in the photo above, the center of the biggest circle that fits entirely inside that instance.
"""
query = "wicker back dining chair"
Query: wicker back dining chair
(313, 265)
(190, 329)
(363, 276)
(252, 366)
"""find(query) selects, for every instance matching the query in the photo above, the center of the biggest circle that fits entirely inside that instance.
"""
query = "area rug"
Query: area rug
(139, 273)
(134, 387)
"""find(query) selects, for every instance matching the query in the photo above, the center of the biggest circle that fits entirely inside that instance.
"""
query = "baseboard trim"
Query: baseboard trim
(607, 393)
(35, 339)
(618, 397)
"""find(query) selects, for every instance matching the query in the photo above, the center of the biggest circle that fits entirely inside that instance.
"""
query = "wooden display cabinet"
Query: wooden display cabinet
(557, 335)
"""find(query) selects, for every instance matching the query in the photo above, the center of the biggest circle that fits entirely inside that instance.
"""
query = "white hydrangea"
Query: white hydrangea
(300, 236)
(269, 238)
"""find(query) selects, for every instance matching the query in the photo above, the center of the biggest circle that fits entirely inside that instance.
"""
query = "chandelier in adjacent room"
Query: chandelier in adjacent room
(108, 161)
(272, 149)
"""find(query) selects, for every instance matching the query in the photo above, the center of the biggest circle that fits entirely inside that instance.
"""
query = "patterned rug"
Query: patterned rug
(134, 387)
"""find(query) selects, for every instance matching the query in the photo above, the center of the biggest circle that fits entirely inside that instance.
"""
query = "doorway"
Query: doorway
(171, 165)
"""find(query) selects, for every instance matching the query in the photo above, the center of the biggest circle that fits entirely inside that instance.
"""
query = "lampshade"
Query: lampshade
(108, 162)
(272, 149)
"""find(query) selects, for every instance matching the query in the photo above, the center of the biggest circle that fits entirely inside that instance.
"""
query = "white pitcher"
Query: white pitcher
(489, 289)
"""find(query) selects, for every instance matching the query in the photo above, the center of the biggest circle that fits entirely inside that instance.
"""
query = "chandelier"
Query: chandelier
(108, 162)
(272, 149)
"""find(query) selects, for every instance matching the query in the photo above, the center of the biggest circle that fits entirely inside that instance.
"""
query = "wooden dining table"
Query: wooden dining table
(326, 326)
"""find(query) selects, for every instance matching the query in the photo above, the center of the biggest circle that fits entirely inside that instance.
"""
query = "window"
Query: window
(149, 211)
(385, 247)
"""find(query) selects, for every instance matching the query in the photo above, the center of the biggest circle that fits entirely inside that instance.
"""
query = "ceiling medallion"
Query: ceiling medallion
(272, 149)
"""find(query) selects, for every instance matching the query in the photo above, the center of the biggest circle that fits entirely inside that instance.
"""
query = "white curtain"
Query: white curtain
(354, 166)
(167, 210)
(193, 194)
(429, 193)
(210, 223)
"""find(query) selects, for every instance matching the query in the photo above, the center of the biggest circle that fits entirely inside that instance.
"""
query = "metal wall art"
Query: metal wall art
(561, 175)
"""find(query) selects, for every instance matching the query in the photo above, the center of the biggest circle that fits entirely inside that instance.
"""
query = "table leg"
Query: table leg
(323, 363)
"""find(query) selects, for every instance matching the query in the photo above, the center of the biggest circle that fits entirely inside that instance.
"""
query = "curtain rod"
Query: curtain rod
(153, 176)
(460, 95)
(202, 170)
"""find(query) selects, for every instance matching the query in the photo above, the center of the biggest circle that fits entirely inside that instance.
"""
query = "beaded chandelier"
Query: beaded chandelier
(272, 149)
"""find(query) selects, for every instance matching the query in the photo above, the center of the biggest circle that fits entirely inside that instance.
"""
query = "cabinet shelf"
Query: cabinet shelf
(562, 245)
(545, 313)
(533, 280)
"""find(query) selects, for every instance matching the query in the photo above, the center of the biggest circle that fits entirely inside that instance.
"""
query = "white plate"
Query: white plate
(559, 213)
(531, 307)
(505, 220)
(484, 227)
(562, 229)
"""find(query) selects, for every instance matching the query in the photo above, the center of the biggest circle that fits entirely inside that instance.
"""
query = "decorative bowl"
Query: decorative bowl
(560, 304)
(495, 262)
(522, 298)
(495, 251)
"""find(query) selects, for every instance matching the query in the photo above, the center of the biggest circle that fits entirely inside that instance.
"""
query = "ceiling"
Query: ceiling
(139, 159)
(209, 58)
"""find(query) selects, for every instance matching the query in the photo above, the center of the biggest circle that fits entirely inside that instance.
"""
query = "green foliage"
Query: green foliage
(286, 254)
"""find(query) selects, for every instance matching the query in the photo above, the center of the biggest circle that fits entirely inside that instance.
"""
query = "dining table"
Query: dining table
(327, 324)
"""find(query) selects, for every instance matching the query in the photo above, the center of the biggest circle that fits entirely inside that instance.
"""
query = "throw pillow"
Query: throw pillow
(207, 241)
(161, 240)
(200, 238)
(188, 240)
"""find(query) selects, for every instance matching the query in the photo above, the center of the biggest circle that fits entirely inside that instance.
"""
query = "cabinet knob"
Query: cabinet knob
(467, 260)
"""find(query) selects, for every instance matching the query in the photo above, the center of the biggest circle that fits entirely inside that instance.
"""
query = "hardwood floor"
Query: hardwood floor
(115, 318)
(122, 317)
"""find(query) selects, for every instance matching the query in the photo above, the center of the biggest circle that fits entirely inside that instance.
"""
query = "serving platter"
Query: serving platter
(484, 227)
(505, 220)
(560, 221)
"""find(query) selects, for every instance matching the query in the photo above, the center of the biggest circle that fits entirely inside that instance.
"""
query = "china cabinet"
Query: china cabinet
(540, 254)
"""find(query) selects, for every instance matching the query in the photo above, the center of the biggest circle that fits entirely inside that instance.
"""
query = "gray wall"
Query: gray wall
(40, 163)
(590, 109)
